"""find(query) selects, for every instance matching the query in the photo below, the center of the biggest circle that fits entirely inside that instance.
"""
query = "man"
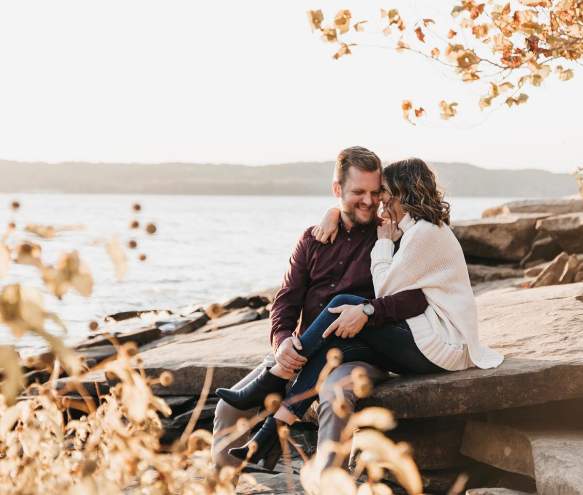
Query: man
(317, 272)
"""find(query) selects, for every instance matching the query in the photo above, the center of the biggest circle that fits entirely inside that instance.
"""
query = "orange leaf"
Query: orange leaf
(359, 26)
(344, 50)
(420, 34)
(435, 52)
(451, 34)
(342, 21)
(316, 17)
(427, 22)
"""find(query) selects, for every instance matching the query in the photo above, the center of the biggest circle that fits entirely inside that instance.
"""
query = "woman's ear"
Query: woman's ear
(337, 189)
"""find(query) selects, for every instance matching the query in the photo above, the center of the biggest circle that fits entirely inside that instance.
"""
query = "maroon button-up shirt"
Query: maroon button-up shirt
(317, 272)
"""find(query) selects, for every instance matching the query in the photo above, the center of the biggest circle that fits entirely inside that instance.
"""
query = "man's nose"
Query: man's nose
(368, 200)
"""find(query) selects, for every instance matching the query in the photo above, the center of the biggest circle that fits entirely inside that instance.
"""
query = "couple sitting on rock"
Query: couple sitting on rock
(392, 293)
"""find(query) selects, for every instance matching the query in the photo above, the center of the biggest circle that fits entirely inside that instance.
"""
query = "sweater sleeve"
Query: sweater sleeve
(289, 300)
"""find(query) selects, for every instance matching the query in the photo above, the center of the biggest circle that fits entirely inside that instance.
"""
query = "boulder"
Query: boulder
(485, 273)
(570, 270)
(140, 336)
(177, 327)
(557, 206)
(552, 273)
(544, 248)
(566, 230)
(551, 457)
(501, 238)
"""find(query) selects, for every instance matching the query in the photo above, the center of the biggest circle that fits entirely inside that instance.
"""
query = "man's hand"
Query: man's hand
(351, 321)
(287, 356)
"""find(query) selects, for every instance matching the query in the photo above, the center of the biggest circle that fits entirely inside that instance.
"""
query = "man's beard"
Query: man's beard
(352, 216)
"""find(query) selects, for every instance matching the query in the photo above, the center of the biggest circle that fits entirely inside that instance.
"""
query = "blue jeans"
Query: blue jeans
(390, 347)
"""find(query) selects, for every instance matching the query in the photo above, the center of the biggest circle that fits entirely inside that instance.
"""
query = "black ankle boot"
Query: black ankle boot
(267, 441)
(253, 394)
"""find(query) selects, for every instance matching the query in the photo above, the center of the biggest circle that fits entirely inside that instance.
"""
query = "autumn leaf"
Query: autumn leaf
(420, 34)
(451, 34)
(359, 26)
(329, 35)
(342, 21)
(428, 22)
(448, 110)
(564, 74)
(4, 260)
(118, 256)
(419, 112)
(485, 102)
(406, 107)
(13, 379)
(435, 52)
(316, 17)
(344, 50)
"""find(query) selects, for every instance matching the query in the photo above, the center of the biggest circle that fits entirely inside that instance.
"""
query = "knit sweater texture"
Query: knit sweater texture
(430, 258)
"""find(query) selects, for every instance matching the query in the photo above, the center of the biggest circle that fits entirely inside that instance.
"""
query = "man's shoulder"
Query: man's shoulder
(307, 235)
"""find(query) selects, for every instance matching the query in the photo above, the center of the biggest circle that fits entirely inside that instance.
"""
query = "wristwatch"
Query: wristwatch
(368, 309)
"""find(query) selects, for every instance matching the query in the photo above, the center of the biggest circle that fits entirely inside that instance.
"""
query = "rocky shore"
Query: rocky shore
(517, 428)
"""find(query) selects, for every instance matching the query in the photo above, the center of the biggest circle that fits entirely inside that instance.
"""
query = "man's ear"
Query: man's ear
(337, 189)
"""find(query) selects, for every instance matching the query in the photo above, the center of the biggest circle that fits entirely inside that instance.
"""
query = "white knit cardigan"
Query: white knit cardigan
(430, 258)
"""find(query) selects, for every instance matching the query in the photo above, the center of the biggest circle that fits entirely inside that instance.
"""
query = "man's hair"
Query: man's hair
(357, 157)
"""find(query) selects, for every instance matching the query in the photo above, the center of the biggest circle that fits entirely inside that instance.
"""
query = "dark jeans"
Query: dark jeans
(390, 347)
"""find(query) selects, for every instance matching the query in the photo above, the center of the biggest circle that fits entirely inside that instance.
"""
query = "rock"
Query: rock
(502, 238)
(96, 354)
(140, 336)
(255, 301)
(485, 273)
(496, 491)
(570, 270)
(178, 327)
(435, 442)
(236, 317)
(278, 484)
(175, 425)
(535, 270)
(552, 206)
(552, 272)
(544, 248)
(566, 230)
(232, 351)
(126, 315)
(578, 277)
(553, 458)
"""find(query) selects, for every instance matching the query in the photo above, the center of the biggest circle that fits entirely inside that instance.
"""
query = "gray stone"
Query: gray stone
(556, 206)
(566, 230)
(236, 317)
(553, 458)
(140, 336)
(544, 248)
(503, 238)
(485, 273)
(194, 322)
(127, 315)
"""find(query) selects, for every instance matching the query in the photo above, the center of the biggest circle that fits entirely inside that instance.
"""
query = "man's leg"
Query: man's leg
(331, 426)
(226, 417)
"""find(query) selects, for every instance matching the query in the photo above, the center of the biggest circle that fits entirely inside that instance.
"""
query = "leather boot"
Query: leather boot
(253, 394)
(266, 438)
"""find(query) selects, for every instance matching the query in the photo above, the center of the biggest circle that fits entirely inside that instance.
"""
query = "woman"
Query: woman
(443, 338)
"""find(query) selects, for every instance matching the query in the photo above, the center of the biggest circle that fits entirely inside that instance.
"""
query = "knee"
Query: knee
(328, 394)
(341, 299)
(222, 421)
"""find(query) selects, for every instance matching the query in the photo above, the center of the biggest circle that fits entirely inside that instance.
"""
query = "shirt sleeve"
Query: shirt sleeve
(289, 300)
(398, 307)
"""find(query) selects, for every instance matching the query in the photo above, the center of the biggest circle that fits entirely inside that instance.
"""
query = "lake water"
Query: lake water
(206, 249)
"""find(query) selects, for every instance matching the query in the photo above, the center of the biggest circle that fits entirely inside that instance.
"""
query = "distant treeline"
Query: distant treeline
(459, 179)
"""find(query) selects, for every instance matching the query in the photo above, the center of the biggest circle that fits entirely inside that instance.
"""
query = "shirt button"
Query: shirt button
(348, 239)
(341, 262)
(332, 285)
(321, 304)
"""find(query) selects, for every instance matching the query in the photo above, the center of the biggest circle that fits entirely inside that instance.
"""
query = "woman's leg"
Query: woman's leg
(311, 339)
(353, 349)
(395, 343)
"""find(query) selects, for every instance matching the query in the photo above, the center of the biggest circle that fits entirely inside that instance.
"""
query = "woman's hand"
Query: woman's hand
(328, 228)
(389, 228)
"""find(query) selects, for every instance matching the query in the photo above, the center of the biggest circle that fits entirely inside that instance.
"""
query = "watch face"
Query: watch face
(368, 309)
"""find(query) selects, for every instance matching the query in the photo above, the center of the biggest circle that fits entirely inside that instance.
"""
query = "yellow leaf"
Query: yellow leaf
(344, 50)
(44, 231)
(505, 86)
(359, 26)
(448, 110)
(28, 253)
(494, 90)
(13, 381)
(342, 21)
(564, 74)
(485, 101)
(316, 17)
(118, 256)
(4, 260)
(329, 35)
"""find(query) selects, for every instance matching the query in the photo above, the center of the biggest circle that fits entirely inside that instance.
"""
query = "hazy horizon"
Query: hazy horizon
(249, 83)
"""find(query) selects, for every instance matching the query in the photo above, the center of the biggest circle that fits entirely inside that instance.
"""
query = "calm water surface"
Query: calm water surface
(207, 248)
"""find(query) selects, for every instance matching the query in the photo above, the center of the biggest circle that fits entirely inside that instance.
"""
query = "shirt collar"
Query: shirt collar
(406, 222)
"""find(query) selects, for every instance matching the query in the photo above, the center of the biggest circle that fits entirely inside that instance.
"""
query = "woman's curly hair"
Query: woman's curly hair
(414, 183)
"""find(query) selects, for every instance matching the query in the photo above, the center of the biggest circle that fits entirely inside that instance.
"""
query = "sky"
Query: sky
(247, 81)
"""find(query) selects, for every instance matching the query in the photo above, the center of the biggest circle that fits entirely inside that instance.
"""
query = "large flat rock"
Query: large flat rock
(552, 458)
(501, 238)
(539, 330)
(566, 230)
(554, 206)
